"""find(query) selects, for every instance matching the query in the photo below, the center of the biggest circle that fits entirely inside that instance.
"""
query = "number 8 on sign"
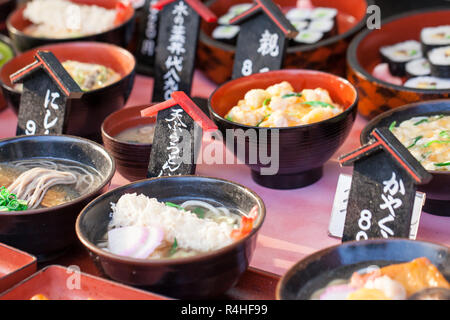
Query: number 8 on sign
(247, 67)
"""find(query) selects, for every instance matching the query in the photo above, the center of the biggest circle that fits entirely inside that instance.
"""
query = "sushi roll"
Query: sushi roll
(399, 54)
(440, 62)
(418, 68)
(226, 34)
(324, 13)
(427, 83)
(326, 26)
(225, 19)
(308, 37)
(434, 37)
(300, 25)
(298, 14)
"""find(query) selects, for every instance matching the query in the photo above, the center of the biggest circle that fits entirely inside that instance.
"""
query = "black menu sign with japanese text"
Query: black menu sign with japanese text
(44, 103)
(178, 135)
(176, 48)
(383, 189)
(262, 41)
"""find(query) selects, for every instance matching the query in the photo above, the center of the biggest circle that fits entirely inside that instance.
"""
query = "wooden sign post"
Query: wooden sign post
(383, 189)
(262, 41)
(178, 30)
(44, 103)
(176, 139)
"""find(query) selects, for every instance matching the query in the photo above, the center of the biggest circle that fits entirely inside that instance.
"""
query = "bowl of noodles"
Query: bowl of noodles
(105, 73)
(182, 236)
(40, 22)
(44, 183)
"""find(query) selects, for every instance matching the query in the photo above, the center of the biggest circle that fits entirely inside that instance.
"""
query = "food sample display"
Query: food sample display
(141, 134)
(280, 106)
(392, 282)
(420, 65)
(428, 139)
(144, 228)
(58, 19)
(43, 183)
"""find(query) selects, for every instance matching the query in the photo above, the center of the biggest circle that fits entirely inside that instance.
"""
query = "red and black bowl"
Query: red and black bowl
(6, 7)
(438, 189)
(340, 261)
(363, 55)
(7, 45)
(204, 275)
(120, 34)
(86, 114)
(216, 58)
(48, 232)
(302, 150)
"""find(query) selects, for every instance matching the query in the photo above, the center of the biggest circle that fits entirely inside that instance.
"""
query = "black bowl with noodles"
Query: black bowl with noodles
(438, 189)
(204, 275)
(315, 271)
(47, 232)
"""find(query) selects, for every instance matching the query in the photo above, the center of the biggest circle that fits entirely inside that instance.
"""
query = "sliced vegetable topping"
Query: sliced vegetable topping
(9, 202)
(421, 121)
(266, 102)
(392, 125)
(174, 247)
(171, 204)
(442, 164)
(415, 141)
(435, 141)
(263, 119)
(199, 212)
(318, 104)
(445, 134)
(294, 94)
(229, 118)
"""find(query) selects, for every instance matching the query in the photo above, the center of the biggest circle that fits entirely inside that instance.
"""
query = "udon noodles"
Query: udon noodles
(142, 227)
(47, 182)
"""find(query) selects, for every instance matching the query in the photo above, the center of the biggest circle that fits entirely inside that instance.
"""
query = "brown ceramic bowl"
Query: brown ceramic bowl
(318, 269)
(216, 58)
(120, 35)
(132, 159)
(202, 276)
(48, 232)
(438, 189)
(377, 96)
(87, 114)
(304, 149)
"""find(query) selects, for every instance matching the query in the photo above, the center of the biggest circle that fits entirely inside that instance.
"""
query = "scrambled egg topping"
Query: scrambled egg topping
(280, 106)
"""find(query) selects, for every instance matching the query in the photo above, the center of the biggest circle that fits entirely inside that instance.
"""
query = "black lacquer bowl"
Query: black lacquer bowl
(339, 262)
(302, 150)
(438, 189)
(200, 276)
(47, 232)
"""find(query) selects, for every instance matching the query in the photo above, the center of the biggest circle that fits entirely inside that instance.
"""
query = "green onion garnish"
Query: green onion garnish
(199, 212)
(425, 155)
(445, 134)
(442, 164)
(229, 118)
(318, 104)
(294, 94)
(421, 121)
(9, 202)
(174, 247)
(392, 125)
(263, 119)
(266, 102)
(171, 204)
(415, 141)
(435, 141)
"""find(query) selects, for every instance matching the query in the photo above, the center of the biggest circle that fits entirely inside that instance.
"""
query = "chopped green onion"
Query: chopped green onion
(421, 121)
(318, 104)
(442, 164)
(9, 201)
(445, 134)
(425, 155)
(415, 141)
(435, 141)
(392, 125)
(294, 94)
(229, 118)
(174, 247)
(266, 102)
(199, 212)
(171, 204)
(263, 119)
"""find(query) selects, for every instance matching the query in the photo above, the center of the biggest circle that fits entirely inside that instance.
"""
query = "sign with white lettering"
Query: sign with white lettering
(178, 135)
(47, 88)
(262, 41)
(383, 189)
(176, 48)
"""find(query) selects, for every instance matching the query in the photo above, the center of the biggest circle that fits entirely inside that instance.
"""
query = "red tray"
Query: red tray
(60, 283)
(15, 265)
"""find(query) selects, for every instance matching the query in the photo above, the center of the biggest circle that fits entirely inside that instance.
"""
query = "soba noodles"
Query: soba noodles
(45, 182)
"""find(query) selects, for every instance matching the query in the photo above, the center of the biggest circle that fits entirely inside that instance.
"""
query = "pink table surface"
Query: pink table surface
(297, 220)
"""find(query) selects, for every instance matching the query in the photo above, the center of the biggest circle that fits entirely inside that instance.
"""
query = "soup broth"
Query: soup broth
(140, 134)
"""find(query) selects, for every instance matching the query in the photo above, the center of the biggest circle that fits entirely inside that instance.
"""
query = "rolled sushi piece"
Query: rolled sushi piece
(440, 62)
(237, 9)
(300, 25)
(226, 34)
(434, 37)
(418, 68)
(308, 37)
(428, 83)
(324, 13)
(399, 54)
(225, 19)
(299, 14)
(327, 27)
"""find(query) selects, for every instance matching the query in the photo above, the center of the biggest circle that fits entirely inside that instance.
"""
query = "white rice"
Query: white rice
(440, 56)
(61, 18)
(418, 67)
(190, 231)
(436, 35)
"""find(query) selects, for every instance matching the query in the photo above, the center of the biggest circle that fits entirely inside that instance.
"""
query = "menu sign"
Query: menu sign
(47, 88)
(262, 41)
(383, 189)
(179, 28)
(177, 135)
